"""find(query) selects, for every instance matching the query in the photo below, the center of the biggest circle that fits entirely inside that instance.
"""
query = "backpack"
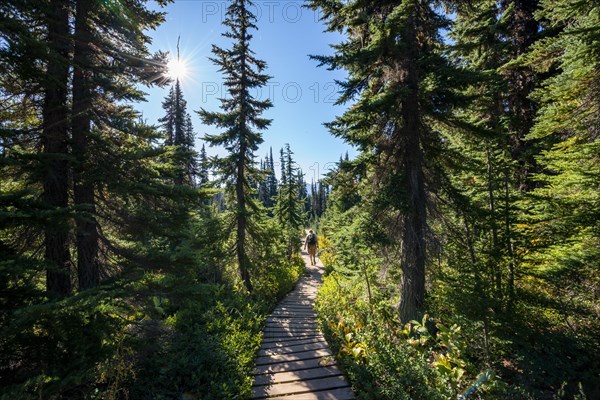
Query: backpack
(311, 239)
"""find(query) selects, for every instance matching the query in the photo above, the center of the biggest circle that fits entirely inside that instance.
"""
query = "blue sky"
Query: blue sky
(302, 94)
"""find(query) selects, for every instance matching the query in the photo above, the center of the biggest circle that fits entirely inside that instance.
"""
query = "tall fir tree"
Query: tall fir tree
(88, 271)
(91, 168)
(272, 178)
(55, 140)
(398, 76)
(289, 205)
(203, 167)
(560, 217)
(482, 174)
(241, 123)
(179, 132)
(34, 117)
(268, 185)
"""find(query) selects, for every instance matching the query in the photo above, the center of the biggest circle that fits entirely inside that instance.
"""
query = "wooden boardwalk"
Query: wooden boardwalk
(294, 361)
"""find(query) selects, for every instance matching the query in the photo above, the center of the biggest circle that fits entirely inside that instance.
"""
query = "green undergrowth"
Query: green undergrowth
(206, 348)
(385, 359)
(162, 336)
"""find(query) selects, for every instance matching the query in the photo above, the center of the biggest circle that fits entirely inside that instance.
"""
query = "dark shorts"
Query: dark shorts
(312, 249)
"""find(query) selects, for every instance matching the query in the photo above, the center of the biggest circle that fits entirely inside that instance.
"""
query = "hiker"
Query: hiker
(313, 244)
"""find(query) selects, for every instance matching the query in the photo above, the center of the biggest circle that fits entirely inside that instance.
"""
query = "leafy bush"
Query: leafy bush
(204, 351)
(387, 360)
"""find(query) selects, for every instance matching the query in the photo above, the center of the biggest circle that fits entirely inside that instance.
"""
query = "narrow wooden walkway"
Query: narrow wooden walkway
(294, 361)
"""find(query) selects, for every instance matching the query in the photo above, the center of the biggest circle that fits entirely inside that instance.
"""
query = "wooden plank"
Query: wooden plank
(291, 325)
(293, 365)
(308, 386)
(293, 348)
(291, 376)
(303, 292)
(289, 340)
(298, 356)
(297, 320)
(291, 317)
(297, 303)
(335, 394)
(288, 332)
(294, 308)
(287, 343)
(292, 322)
(288, 329)
(289, 314)
(290, 335)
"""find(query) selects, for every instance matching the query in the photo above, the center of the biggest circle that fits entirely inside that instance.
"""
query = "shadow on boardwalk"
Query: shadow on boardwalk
(294, 360)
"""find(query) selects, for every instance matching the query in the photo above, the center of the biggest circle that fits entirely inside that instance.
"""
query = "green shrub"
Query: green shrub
(383, 359)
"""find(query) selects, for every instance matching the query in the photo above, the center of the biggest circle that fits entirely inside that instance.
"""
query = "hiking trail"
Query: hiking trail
(294, 360)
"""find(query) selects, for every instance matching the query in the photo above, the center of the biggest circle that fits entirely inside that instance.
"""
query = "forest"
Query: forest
(461, 245)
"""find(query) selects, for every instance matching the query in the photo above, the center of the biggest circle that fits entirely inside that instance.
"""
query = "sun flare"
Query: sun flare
(177, 69)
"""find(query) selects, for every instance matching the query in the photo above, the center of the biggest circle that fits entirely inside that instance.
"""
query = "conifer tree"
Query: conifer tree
(110, 57)
(303, 191)
(55, 139)
(268, 185)
(203, 165)
(272, 178)
(522, 30)
(390, 50)
(81, 131)
(241, 123)
(93, 166)
(482, 175)
(562, 214)
(34, 97)
(179, 132)
(289, 206)
(264, 194)
(282, 162)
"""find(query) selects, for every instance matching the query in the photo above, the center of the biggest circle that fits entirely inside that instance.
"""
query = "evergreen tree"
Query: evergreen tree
(561, 216)
(203, 165)
(483, 174)
(303, 192)
(110, 57)
(179, 131)
(55, 139)
(93, 166)
(392, 54)
(282, 161)
(264, 195)
(81, 131)
(522, 30)
(272, 178)
(35, 113)
(168, 121)
(241, 122)
(289, 206)
(267, 190)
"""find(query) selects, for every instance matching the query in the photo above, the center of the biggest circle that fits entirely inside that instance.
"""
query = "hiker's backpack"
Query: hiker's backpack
(311, 239)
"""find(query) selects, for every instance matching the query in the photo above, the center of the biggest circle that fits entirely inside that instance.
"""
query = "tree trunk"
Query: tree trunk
(179, 133)
(509, 242)
(242, 220)
(55, 140)
(523, 32)
(87, 234)
(494, 260)
(414, 218)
